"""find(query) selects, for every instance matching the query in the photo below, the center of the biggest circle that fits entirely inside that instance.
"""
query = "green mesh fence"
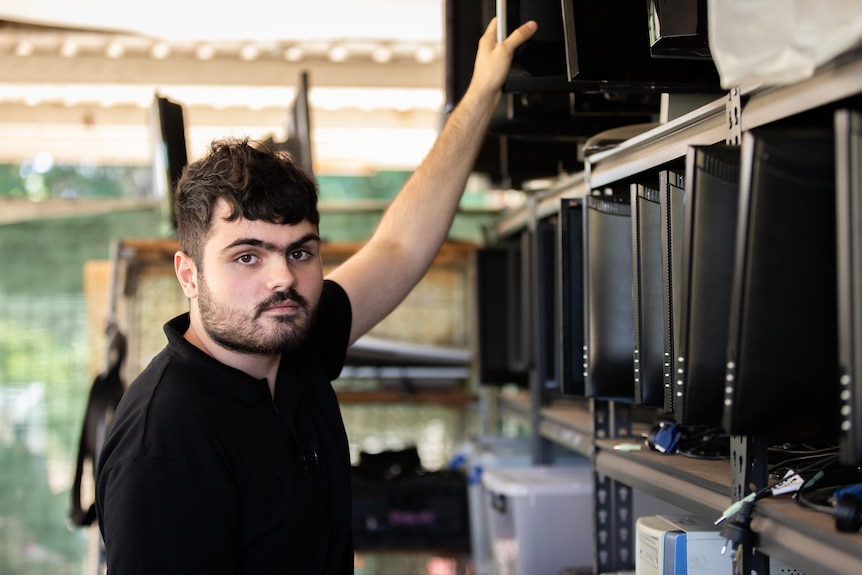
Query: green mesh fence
(44, 382)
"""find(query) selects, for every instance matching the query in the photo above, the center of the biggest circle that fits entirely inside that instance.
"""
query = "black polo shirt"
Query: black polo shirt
(202, 472)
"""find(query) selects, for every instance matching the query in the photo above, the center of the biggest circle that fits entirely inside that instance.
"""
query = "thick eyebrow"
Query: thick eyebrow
(271, 247)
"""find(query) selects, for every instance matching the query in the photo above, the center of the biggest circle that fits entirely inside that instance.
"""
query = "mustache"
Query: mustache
(280, 297)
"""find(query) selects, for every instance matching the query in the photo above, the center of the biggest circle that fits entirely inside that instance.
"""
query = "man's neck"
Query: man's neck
(257, 366)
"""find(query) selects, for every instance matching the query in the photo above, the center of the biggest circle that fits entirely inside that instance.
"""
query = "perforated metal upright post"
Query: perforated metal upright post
(733, 115)
(613, 521)
(748, 464)
(748, 472)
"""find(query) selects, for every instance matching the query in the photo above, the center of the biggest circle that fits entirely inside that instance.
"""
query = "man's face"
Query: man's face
(259, 285)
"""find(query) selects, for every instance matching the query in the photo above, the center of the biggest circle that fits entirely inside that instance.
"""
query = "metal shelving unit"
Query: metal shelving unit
(802, 539)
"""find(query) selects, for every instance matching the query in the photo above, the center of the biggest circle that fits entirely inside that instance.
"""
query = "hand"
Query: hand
(493, 58)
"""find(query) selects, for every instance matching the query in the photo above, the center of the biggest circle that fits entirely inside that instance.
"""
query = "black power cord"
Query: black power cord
(738, 531)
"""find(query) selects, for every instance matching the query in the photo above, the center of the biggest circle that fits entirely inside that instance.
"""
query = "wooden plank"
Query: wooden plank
(97, 293)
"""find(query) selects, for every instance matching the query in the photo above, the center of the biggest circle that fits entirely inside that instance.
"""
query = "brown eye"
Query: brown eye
(299, 255)
(247, 259)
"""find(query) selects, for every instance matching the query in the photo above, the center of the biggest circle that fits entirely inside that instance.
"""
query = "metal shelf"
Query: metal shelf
(542, 204)
(666, 143)
(701, 486)
(839, 79)
(566, 423)
(803, 539)
(569, 424)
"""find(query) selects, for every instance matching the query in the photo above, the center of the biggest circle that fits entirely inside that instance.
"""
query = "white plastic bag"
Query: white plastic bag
(773, 42)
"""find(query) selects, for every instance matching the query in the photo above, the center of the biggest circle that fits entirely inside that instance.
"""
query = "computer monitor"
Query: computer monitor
(610, 315)
(678, 29)
(648, 353)
(672, 206)
(548, 304)
(169, 151)
(572, 337)
(520, 301)
(848, 185)
(299, 141)
(782, 339)
(703, 296)
(540, 63)
(493, 317)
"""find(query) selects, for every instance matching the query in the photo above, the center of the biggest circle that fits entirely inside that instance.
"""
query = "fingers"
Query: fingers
(494, 58)
(490, 30)
(518, 36)
(521, 34)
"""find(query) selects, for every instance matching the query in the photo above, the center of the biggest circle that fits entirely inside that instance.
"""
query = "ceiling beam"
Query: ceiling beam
(55, 69)
(345, 140)
(85, 98)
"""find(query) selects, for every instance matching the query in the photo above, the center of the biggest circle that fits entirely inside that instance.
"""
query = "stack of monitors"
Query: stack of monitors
(595, 45)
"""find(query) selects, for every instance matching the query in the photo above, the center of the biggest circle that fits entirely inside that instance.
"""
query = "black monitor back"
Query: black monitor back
(548, 303)
(672, 206)
(519, 345)
(679, 29)
(610, 317)
(572, 229)
(299, 142)
(848, 156)
(170, 153)
(648, 353)
(708, 252)
(494, 317)
(782, 340)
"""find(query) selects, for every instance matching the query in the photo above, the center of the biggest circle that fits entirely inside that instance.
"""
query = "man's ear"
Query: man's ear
(187, 274)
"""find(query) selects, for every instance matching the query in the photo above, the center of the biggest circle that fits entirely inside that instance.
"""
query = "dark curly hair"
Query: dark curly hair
(257, 181)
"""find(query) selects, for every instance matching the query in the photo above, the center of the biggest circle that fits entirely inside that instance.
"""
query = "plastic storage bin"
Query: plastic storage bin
(487, 452)
(540, 518)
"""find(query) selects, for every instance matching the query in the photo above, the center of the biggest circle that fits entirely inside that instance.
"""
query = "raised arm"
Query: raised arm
(381, 274)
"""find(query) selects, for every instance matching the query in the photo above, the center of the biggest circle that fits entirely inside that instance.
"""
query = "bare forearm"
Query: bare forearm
(420, 216)
(381, 274)
(422, 213)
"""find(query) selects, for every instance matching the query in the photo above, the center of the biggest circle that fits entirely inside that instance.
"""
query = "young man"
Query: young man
(228, 453)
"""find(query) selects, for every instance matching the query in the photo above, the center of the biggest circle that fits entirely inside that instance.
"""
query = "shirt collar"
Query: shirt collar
(230, 382)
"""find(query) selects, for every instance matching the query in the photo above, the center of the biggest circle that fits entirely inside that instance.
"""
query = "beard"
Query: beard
(240, 331)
